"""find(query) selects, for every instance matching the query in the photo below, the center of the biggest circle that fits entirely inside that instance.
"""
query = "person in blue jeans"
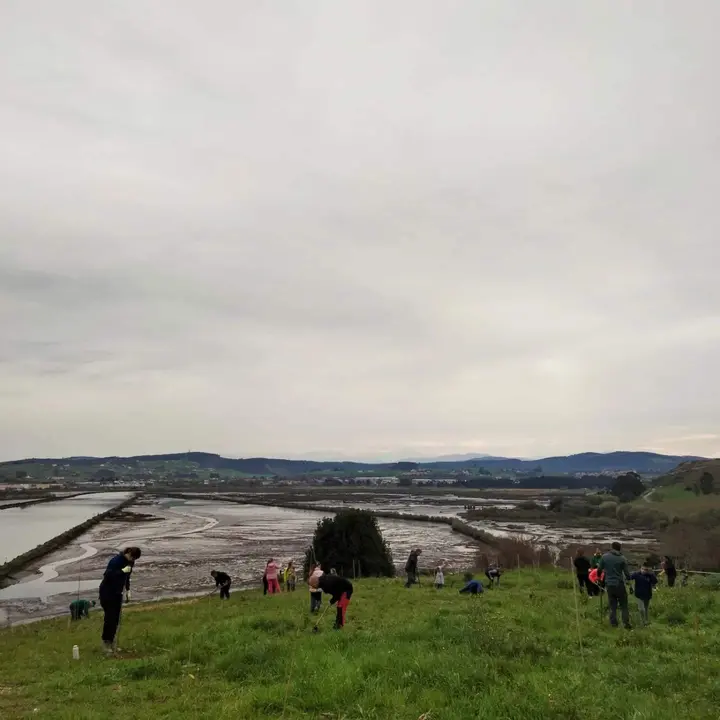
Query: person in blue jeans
(645, 580)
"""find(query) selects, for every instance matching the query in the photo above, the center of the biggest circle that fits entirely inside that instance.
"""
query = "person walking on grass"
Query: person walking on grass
(271, 573)
(315, 594)
(615, 567)
(669, 570)
(340, 590)
(115, 582)
(645, 580)
(80, 608)
(411, 568)
(290, 577)
(439, 578)
(222, 581)
(582, 571)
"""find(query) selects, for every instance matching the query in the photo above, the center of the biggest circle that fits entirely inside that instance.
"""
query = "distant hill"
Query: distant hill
(621, 461)
(688, 473)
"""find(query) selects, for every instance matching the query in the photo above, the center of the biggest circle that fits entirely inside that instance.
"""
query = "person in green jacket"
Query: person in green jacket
(615, 567)
(80, 608)
(595, 559)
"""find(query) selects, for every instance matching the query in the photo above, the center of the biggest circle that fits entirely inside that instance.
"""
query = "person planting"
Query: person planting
(340, 590)
(222, 581)
(80, 608)
(115, 582)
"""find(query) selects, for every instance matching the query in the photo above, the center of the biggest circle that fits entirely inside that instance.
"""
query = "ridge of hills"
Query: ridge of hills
(589, 462)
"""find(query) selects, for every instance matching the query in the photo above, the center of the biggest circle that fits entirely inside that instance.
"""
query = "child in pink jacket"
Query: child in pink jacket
(271, 573)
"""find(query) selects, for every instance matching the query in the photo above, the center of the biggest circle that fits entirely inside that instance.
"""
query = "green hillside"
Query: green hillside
(513, 653)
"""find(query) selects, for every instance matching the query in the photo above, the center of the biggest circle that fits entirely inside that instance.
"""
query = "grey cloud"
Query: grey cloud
(293, 229)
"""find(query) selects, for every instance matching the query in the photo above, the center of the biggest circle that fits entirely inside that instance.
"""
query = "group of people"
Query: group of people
(609, 573)
(602, 573)
(472, 586)
(274, 573)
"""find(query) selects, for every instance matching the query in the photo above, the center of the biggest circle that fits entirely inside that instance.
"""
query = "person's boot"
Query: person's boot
(107, 648)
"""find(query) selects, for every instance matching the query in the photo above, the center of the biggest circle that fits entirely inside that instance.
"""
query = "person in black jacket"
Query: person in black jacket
(411, 568)
(222, 581)
(668, 567)
(340, 589)
(582, 570)
(115, 582)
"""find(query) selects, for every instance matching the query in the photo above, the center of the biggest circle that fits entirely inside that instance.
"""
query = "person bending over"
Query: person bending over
(115, 582)
(340, 590)
(222, 581)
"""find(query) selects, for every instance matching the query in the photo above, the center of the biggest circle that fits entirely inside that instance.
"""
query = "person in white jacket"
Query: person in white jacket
(315, 593)
(439, 578)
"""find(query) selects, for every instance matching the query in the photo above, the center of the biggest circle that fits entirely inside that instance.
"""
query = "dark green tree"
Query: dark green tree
(707, 484)
(628, 486)
(352, 543)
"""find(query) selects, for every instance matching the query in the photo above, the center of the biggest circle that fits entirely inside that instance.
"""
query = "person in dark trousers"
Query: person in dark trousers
(115, 582)
(493, 575)
(615, 567)
(265, 584)
(80, 608)
(222, 581)
(340, 590)
(668, 567)
(645, 580)
(411, 568)
(582, 571)
(472, 586)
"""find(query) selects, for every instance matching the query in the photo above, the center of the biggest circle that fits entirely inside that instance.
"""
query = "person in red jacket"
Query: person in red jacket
(596, 579)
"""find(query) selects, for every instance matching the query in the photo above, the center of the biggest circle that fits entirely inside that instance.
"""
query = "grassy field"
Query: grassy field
(675, 500)
(520, 652)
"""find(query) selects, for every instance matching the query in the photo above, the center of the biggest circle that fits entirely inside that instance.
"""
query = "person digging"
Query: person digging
(340, 590)
(115, 582)
(223, 582)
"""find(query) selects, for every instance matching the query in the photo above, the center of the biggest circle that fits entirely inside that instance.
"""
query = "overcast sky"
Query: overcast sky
(359, 229)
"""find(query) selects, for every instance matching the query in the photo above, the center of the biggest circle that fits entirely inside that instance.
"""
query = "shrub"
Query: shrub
(352, 543)
(608, 509)
(709, 582)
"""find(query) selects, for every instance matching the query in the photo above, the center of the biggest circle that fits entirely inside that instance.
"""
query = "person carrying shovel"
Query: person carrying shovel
(222, 581)
(340, 590)
(115, 582)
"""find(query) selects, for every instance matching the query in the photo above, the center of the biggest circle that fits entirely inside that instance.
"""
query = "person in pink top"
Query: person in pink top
(271, 573)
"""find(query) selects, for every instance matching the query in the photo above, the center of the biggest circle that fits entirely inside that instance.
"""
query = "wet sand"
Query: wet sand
(193, 537)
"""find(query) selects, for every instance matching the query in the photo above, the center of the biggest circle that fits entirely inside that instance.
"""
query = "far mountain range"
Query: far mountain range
(619, 461)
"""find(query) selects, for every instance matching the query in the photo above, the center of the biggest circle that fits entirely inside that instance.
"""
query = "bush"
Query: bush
(608, 509)
(352, 543)
(709, 582)
(512, 551)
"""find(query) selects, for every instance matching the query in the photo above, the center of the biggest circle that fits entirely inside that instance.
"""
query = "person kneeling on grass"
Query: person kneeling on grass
(80, 608)
(340, 589)
(472, 586)
(645, 581)
(222, 581)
